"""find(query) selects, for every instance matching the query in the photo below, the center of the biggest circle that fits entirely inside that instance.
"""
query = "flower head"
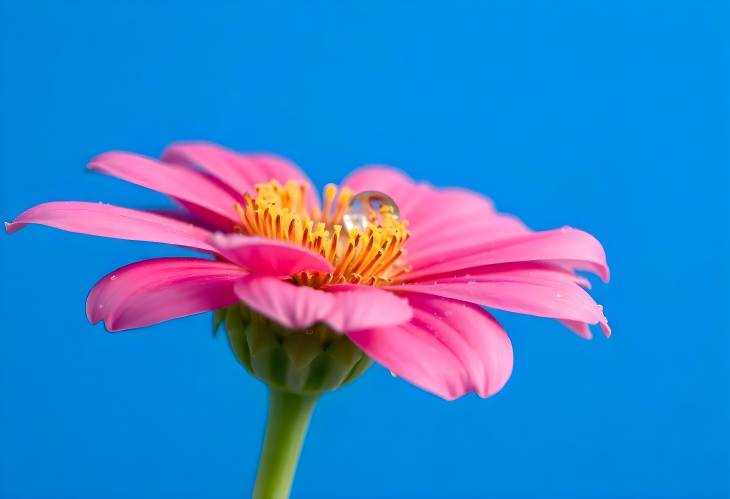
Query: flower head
(401, 268)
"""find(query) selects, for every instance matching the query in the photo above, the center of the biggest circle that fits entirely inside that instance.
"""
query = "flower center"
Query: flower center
(368, 250)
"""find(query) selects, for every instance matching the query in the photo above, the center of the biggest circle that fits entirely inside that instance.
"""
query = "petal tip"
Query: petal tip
(606, 329)
(97, 162)
(14, 226)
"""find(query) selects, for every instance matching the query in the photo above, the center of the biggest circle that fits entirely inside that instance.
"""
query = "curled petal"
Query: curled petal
(105, 220)
(269, 256)
(299, 307)
(448, 348)
(506, 271)
(182, 184)
(529, 273)
(580, 328)
(527, 295)
(567, 246)
(153, 291)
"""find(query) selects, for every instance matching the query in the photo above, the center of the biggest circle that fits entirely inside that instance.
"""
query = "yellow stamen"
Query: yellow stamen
(329, 195)
(372, 257)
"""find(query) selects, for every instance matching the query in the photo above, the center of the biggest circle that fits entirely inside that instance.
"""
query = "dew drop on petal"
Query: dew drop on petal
(393, 374)
(366, 208)
(113, 277)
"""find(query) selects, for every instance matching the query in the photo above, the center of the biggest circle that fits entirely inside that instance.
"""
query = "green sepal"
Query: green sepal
(219, 316)
(311, 361)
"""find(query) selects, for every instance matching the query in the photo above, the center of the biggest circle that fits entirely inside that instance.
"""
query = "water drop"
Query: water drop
(448, 313)
(367, 208)
(393, 374)
(113, 277)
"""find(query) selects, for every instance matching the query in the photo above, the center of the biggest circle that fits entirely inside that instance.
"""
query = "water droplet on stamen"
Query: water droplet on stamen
(367, 207)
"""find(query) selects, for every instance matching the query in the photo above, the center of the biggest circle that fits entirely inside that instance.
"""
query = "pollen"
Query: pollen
(370, 254)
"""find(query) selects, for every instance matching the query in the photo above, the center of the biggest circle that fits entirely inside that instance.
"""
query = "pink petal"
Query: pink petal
(361, 307)
(419, 203)
(180, 183)
(269, 256)
(580, 328)
(446, 235)
(113, 221)
(440, 220)
(566, 246)
(518, 272)
(448, 348)
(513, 270)
(299, 307)
(281, 169)
(153, 291)
(456, 230)
(206, 218)
(522, 294)
(390, 181)
(241, 171)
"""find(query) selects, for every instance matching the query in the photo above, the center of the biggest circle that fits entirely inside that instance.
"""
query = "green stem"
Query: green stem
(289, 415)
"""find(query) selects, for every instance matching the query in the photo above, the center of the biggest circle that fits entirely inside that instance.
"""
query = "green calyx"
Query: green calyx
(311, 361)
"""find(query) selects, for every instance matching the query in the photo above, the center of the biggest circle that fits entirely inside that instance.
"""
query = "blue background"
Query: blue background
(609, 116)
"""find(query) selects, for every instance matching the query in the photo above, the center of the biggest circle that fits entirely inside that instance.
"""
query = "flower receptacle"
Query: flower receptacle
(311, 361)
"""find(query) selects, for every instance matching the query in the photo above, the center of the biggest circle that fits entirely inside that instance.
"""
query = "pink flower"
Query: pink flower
(407, 288)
